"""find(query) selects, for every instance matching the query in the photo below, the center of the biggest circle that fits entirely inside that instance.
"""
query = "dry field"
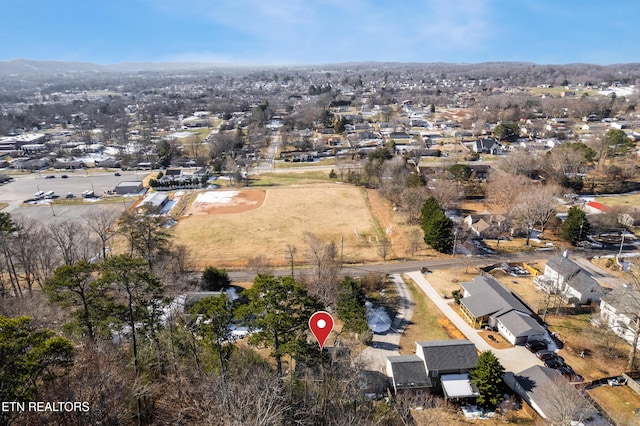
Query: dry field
(227, 231)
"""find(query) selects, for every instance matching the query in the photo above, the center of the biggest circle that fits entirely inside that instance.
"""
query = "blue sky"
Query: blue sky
(281, 32)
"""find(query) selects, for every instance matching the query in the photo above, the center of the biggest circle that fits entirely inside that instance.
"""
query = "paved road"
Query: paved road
(384, 345)
(401, 267)
(513, 359)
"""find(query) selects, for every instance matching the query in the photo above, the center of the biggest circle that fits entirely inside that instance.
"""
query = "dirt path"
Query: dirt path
(388, 220)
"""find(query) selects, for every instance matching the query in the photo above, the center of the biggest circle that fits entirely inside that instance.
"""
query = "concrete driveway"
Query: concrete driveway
(513, 359)
(374, 358)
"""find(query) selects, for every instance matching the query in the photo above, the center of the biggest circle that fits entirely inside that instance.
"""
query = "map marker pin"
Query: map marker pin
(321, 324)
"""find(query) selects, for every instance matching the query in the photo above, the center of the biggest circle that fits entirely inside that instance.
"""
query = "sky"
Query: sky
(291, 32)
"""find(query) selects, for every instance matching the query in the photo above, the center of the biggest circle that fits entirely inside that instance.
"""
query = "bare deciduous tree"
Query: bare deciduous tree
(102, 223)
(259, 265)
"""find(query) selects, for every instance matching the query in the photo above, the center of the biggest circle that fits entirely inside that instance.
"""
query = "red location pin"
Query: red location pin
(321, 324)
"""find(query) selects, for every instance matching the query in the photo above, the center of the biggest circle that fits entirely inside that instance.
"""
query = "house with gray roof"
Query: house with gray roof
(438, 366)
(407, 372)
(618, 310)
(487, 146)
(564, 277)
(551, 397)
(486, 302)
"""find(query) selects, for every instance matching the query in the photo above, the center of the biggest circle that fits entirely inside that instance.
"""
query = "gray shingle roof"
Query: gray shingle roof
(542, 385)
(520, 324)
(488, 296)
(582, 282)
(624, 300)
(449, 355)
(563, 266)
(409, 372)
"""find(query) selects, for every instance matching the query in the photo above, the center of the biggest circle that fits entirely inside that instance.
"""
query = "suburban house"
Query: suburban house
(619, 310)
(487, 146)
(550, 396)
(484, 224)
(563, 276)
(486, 302)
(440, 365)
(594, 207)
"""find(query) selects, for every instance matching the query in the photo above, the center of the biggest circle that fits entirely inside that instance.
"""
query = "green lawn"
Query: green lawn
(283, 179)
(323, 162)
(424, 321)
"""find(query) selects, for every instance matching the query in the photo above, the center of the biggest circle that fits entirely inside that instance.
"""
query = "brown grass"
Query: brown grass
(620, 402)
(425, 322)
(331, 212)
(578, 333)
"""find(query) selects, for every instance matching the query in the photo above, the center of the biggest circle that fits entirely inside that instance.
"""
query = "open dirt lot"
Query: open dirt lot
(229, 228)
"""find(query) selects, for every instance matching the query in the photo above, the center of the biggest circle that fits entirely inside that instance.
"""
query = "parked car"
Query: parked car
(69, 195)
(568, 373)
(554, 363)
(64, 176)
(117, 174)
(546, 354)
(49, 177)
(535, 345)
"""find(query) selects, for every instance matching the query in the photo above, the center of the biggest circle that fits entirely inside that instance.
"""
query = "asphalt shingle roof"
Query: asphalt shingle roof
(449, 355)
(409, 372)
(488, 296)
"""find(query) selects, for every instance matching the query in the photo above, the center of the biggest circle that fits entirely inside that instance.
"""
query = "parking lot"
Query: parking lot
(23, 187)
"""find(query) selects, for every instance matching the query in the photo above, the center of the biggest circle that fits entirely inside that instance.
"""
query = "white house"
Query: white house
(618, 310)
(563, 276)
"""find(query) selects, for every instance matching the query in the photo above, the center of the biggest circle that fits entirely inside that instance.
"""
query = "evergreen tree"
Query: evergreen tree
(76, 288)
(437, 227)
(27, 358)
(576, 227)
(214, 279)
(278, 312)
(351, 305)
(487, 378)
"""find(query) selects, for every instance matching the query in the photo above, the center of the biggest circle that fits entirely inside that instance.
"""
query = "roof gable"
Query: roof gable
(487, 296)
(408, 372)
(520, 324)
(564, 266)
(448, 355)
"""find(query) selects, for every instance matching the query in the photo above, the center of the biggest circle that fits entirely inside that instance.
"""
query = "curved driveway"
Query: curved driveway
(375, 356)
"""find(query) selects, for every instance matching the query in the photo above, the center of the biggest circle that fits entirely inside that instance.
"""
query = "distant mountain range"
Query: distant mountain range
(28, 67)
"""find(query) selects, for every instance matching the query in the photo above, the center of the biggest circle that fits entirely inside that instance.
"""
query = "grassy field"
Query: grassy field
(424, 322)
(291, 178)
(631, 200)
(329, 211)
(322, 162)
(579, 334)
(620, 402)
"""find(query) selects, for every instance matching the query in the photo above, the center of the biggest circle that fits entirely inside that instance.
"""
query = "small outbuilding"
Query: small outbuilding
(128, 187)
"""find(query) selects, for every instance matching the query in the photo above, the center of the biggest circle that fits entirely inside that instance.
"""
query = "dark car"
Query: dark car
(535, 345)
(117, 174)
(568, 373)
(49, 177)
(64, 176)
(554, 363)
(545, 354)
